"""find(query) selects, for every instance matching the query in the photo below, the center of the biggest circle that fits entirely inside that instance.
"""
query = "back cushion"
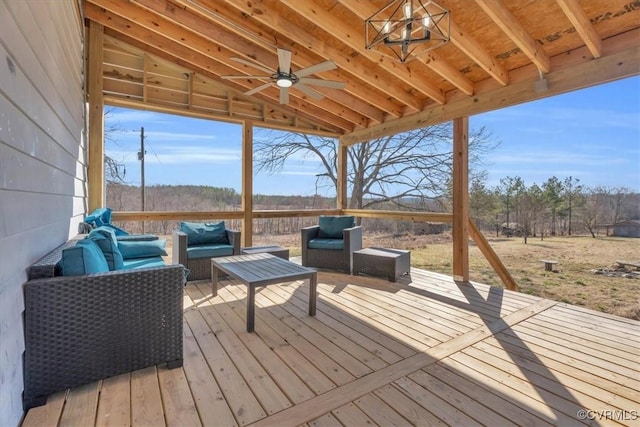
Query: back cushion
(142, 248)
(331, 227)
(83, 258)
(204, 234)
(105, 238)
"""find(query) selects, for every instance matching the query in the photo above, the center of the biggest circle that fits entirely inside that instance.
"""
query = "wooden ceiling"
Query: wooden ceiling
(169, 55)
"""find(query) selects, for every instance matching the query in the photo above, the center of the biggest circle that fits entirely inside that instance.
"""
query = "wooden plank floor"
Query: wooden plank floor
(423, 351)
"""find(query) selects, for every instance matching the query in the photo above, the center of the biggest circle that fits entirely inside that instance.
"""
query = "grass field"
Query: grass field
(572, 281)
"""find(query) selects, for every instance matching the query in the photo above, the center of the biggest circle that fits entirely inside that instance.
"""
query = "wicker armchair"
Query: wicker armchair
(333, 259)
(199, 268)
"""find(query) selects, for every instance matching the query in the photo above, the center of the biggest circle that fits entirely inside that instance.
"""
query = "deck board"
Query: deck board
(423, 350)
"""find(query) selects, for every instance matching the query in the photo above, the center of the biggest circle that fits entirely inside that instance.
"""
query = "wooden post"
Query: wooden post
(341, 175)
(461, 199)
(247, 183)
(95, 144)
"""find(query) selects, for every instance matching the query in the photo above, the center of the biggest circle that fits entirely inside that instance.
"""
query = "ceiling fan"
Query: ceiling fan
(284, 78)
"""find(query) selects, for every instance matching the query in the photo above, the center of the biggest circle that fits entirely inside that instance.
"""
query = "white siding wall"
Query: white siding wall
(42, 159)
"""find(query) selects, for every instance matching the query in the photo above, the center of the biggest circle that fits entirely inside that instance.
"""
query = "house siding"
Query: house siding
(42, 159)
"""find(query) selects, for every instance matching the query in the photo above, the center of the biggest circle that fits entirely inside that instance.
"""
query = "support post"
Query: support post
(95, 143)
(247, 183)
(341, 176)
(461, 199)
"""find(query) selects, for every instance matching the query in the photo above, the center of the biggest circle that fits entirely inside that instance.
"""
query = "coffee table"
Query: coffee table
(262, 269)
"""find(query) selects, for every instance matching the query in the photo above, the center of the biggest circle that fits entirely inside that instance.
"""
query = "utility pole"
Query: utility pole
(141, 154)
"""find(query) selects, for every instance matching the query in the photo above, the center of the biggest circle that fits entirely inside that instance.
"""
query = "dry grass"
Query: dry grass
(572, 282)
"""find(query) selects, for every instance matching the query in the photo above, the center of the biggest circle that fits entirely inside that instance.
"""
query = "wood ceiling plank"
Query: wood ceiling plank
(192, 59)
(500, 14)
(353, 36)
(472, 48)
(583, 26)
(263, 12)
(363, 9)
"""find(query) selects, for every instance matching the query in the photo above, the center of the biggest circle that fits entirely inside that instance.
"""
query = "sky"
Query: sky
(592, 135)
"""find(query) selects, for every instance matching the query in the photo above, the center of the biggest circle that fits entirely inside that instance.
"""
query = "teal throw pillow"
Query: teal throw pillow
(84, 258)
(105, 238)
(331, 227)
(99, 217)
(142, 248)
(204, 233)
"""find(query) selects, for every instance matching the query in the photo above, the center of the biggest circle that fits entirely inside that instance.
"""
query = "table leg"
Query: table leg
(214, 280)
(251, 307)
(313, 287)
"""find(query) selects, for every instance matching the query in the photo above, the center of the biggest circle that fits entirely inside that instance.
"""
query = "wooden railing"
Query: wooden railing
(474, 232)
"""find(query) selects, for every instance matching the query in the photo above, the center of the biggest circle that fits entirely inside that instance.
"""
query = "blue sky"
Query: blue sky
(592, 134)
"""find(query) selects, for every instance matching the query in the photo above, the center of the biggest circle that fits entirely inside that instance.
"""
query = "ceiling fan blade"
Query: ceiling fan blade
(317, 68)
(326, 83)
(258, 89)
(284, 95)
(311, 92)
(252, 64)
(284, 61)
(246, 77)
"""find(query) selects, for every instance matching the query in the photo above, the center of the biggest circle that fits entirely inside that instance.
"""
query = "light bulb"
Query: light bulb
(427, 22)
(284, 82)
(386, 27)
(407, 10)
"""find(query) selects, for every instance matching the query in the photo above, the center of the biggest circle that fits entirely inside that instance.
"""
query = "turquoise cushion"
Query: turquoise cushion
(131, 264)
(142, 248)
(119, 231)
(105, 237)
(331, 227)
(204, 234)
(209, 251)
(331, 244)
(99, 217)
(136, 237)
(84, 258)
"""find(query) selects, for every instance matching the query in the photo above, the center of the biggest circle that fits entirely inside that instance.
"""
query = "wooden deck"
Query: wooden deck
(423, 351)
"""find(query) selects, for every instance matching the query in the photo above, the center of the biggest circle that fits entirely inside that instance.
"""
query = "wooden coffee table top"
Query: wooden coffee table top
(261, 269)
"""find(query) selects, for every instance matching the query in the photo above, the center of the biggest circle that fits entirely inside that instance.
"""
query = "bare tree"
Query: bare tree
(414, 165)
(114, 170)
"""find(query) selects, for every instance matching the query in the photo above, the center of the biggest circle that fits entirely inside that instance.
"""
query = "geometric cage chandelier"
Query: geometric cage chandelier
(407, 28)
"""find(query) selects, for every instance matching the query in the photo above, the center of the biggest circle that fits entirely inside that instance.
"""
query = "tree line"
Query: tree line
(556, 207)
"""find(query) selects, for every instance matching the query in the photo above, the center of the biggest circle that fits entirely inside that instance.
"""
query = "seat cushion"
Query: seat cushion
(106, 240)
(331, 227)
(204, 233)
(133, 263)
(142, 248)
(136, 237)
(83, 258)
(331, 244)
(209, 251)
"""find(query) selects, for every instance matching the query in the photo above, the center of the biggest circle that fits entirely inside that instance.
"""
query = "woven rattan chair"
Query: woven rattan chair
(328, 256)
(199, 268)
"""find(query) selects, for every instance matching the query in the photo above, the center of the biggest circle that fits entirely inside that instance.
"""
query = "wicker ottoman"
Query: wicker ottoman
(382, 262)
(273, 250)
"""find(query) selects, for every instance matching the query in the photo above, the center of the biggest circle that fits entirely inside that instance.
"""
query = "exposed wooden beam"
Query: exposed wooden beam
(363, 9)
(95, 168)
(460, 228)
(342, 174)
(583, 25)
(493, 259)
(353, 36)
(567, 76)
(500, 14)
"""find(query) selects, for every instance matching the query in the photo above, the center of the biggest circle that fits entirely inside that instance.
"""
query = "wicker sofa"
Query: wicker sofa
(197, 256)
(79, 329)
